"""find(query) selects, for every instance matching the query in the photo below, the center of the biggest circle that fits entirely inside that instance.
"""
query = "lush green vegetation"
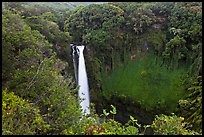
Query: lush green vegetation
(19, 116)
(147, 82)
(147, 54)
(170, 125)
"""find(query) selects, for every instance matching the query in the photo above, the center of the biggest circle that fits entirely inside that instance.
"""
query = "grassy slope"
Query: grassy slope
(145, 82)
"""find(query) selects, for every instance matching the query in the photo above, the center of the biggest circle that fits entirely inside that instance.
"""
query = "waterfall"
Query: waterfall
(83, 82)
(73, 58)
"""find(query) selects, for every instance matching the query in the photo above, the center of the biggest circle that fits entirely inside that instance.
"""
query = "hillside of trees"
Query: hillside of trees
(143, 61)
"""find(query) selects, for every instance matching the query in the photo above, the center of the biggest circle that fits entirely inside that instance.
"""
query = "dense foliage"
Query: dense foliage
(190, 106)
(148, 53)
(20, 117)
(170, 125)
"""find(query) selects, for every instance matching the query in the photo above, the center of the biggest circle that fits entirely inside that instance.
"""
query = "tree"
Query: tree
(141, 19)
(36, 76)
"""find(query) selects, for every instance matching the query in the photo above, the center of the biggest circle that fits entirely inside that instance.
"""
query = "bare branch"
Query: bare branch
(31, 83)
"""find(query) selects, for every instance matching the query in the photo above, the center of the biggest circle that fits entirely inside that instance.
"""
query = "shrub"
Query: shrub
(170, 125)
(112, 127)
(19, 117)
(103, 126)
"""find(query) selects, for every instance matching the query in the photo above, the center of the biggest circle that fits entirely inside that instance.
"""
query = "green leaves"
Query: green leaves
(131, 130)
(31, 68)
(191, 105)
(36, 74)
(98, 38)
(18, 114)
(113, 111)
(141, 19)
(170, 125)
(134, 121)
(105, 113)
(185, 32)
(132, 118)
(94, 17)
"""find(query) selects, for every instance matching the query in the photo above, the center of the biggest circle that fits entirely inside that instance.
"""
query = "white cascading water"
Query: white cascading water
(73, 58)
(83, 82)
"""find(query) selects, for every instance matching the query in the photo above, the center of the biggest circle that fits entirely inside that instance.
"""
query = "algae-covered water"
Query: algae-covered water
(146, 82)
